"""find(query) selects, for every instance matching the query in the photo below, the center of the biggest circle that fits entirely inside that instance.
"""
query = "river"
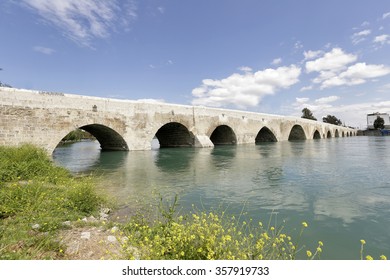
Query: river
(339, 186)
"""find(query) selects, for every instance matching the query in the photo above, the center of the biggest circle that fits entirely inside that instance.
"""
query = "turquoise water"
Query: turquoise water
(340, 186)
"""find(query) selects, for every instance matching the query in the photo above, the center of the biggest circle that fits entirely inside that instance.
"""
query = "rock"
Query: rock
(92, 219)
(124, 239)
(114, 229)
(36, 226)
(66, 223)
(84, 219)
(72, 248)
(104, 214)
(105, 210)
(85, 235)
(111, 239)
(103, 217)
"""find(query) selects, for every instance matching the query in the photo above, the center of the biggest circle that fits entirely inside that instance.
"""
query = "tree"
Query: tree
(332, 120)
(307, 114)
(379, 123)
(2, 84)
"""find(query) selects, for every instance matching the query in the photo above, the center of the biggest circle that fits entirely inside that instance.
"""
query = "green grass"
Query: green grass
(26, 163)
(35, 191)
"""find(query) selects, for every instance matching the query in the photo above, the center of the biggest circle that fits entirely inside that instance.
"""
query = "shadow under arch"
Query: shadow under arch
(109, 139)
(265, 135)
(328, 135)
(223, 135)
(336, 133)
(316, 135)
(174, 134)
(297, 133)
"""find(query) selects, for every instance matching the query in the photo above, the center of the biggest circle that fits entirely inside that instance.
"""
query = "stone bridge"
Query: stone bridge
(44, 118)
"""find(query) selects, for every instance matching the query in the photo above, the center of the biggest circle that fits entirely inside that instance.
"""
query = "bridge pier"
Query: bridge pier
(203, 141)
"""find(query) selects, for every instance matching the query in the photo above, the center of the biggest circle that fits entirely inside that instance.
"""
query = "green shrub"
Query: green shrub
(35, 192)
(28, 162)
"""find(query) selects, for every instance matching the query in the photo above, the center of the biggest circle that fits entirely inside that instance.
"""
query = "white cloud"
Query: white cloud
(334, 70)
(334, 60)
(382, 39)
(384, 89)
(306, 88)
(312, 54)
(245, 69)
(82, 21)
(328, 99)
(161, 10)
(386, 15)
(302, 100)
(356, 74)
(298, 45)
(276, 61)
(43, 50)
(359, 37)
(245, 90)
(365, 71)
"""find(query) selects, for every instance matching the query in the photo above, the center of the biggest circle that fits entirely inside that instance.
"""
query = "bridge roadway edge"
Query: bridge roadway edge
(44, 118)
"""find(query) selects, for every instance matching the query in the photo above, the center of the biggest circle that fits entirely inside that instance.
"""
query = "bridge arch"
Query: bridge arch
(174, 134)
(265, 135)
(297, 133)
(223, 135)
(316, 135)
(108, 138)
(336, 133)
(328, 134)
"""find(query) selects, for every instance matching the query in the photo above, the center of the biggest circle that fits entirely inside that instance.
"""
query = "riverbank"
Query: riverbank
(38, 200)
(372, 132)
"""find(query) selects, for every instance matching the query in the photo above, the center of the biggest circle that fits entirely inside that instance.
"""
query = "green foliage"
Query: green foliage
(332, 120)
(4, 85)
(205, 235)
(34, 191)
(27, 162)
(307, 114)
(379, 123)
(77, 135)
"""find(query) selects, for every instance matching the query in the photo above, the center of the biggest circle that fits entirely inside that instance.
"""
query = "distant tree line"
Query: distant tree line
(3, 84)
(307, 114)
(77, 135)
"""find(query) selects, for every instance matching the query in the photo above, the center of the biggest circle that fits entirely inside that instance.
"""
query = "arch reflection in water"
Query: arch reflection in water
(174, 160)
(85, 156)
(78, 157)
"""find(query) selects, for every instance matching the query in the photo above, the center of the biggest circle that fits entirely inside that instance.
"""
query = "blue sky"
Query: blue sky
(258, 55)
